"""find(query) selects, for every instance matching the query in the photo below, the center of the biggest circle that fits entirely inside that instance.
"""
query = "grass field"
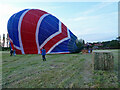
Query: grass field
(59, 71)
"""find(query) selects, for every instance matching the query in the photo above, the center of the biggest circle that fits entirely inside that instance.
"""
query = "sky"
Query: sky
(90, 20)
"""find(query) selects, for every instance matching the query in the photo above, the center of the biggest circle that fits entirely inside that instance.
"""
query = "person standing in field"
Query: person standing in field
(43, 54)
(11, 52)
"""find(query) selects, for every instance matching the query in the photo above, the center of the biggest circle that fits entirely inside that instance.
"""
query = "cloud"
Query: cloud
(103, 26)
(95, 8)
(97, 37)
(6, 11)
(84, 18)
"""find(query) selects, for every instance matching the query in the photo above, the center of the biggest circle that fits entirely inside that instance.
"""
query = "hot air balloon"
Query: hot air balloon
(32, 29)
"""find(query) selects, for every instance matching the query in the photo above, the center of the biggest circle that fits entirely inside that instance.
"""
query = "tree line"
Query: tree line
(112, 44)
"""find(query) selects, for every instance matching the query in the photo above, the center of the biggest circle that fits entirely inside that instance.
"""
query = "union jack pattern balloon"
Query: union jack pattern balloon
(32, 29)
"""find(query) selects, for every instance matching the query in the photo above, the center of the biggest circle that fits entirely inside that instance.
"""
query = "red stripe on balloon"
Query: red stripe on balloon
(57, 38)
(17, 51)
(28, 30)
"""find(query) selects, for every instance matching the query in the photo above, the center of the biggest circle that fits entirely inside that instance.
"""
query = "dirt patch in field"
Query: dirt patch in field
(57, 66)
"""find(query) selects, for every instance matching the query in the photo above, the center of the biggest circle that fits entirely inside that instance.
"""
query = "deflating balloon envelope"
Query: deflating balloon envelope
(31, 29)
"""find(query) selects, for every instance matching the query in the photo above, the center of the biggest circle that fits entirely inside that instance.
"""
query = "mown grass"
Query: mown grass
(59, 71)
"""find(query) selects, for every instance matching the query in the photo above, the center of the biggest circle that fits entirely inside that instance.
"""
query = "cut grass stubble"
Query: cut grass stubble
(59, 71)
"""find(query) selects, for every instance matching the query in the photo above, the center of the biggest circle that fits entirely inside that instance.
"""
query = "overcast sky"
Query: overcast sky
(92, 21)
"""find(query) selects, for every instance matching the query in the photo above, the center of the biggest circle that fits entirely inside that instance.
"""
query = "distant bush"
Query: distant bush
(0, 48)
(5, 48)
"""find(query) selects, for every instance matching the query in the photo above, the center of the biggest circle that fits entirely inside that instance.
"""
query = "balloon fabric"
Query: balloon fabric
(32, 29)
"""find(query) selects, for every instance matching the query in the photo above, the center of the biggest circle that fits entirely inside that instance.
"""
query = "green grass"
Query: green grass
(59, 71)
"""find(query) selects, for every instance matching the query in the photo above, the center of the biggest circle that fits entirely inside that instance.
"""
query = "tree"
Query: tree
(7, 39)
(80, 44)
(118, 38)
(3, 40)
